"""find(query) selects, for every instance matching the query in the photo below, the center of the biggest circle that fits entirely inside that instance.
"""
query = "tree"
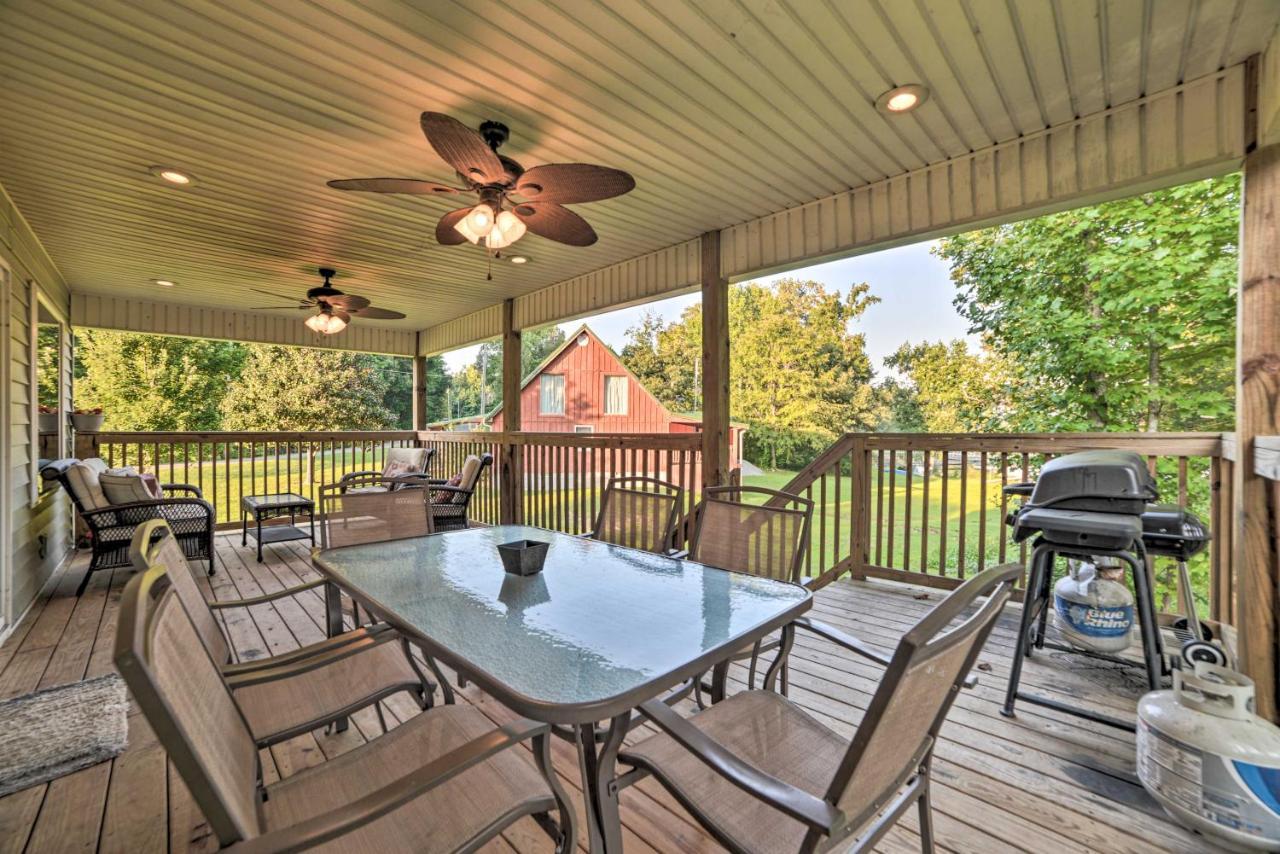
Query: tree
(477, 389)
(396, 373)
(1114, 317)
(152, 382)
(299, 389)
(799, 376)
(436, 379)
(955, 391)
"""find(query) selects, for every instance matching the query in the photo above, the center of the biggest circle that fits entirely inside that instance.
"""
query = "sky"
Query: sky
(913, 285)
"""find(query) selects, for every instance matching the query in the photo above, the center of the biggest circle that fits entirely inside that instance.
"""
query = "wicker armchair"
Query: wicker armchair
(111, 526)
(417, 461)
(449, 502)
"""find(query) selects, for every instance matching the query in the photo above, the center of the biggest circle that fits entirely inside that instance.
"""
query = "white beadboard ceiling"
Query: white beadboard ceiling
(723, 110)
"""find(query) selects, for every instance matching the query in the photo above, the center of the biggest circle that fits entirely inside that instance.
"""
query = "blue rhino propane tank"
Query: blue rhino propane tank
(1092, 608)
(1209, 760)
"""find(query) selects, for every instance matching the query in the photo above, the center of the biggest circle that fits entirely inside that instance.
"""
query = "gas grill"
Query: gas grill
(1090, 505)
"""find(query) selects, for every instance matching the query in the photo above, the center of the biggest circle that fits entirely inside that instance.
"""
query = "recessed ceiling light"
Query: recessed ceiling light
(519, 259)
(902, 99)
(173, 176)
(164, 283)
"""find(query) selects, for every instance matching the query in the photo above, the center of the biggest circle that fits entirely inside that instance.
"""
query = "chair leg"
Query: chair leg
(84, 582)
(925, 806)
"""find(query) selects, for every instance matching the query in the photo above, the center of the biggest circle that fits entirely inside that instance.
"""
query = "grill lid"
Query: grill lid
(1097, 481)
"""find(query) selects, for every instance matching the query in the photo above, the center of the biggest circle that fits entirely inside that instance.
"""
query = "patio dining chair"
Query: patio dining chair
(638, 512)
(444, 780)
(297, 691)
(353, 517)
(767, 537)
(762, 775)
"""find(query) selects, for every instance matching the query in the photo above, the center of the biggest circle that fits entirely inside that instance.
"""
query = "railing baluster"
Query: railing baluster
(942, 515)
(1004, 499)
(982, 516)
(924, 512)
(964, 512)
(906, 512)
(893, 501)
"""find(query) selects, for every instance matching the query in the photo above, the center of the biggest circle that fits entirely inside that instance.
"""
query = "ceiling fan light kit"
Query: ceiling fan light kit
(325, 323)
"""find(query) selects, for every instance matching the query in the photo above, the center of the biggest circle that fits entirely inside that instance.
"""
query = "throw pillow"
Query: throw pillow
(397, 469)
(124, 486)
(441, 497)
(152, 483)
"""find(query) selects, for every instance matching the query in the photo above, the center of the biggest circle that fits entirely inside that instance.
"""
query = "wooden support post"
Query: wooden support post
(1257, 414)
(419, 390)
(715, 365)
(860, 484)
(512, 463)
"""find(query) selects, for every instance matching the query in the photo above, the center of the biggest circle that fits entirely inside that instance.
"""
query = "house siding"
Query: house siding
(35, 536)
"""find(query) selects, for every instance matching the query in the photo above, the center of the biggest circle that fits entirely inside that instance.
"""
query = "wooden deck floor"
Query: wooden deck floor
(1042, 782)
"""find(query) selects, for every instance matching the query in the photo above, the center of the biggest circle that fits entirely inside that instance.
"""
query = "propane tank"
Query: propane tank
(1092, 608)
(1209, 761)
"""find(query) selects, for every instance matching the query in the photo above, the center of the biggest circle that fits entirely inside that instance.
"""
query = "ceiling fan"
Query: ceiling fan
(335, 308)
(511, 198)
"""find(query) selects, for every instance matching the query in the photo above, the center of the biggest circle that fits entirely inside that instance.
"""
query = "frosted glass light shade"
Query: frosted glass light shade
(507, 229)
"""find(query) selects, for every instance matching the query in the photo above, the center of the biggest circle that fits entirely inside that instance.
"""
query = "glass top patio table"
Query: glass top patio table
(600, 630)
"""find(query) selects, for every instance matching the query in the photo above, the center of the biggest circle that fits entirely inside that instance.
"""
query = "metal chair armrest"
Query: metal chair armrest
(380, 633)
(335, 823)
(839, 638)
(277, 669)
(790, 800)
(267, 597)
(182, 487)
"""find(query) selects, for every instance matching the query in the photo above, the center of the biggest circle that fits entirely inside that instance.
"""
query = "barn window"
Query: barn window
(551, 394)
(615, 395)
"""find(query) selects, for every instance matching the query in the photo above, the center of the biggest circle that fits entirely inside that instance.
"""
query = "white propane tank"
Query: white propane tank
(1091, 611)
(1210, 762)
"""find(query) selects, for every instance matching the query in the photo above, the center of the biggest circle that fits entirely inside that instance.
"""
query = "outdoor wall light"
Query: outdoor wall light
(164, 283)
(173, 176)
(902, 99)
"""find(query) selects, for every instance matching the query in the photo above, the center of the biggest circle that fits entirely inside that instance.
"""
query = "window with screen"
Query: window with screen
(615, 395)
(551, 394)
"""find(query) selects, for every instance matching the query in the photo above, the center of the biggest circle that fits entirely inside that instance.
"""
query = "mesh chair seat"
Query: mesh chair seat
(769, 733)
(281, 707)
(443, 819)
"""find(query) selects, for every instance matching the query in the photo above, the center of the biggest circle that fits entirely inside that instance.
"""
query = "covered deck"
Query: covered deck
(1042, 779)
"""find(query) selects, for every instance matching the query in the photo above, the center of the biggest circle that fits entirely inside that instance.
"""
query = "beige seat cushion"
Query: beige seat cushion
(765, 730)
(83, 478)
(444, 818)
(283, 704)
(467, 477)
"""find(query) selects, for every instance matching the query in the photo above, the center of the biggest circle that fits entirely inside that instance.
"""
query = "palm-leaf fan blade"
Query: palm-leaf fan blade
(573, 182)
(462, 148)
(446, 234)
(550, 220)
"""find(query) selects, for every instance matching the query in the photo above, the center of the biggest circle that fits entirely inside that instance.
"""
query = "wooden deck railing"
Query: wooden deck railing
(556, 479)
(923, 508)
(929, 508)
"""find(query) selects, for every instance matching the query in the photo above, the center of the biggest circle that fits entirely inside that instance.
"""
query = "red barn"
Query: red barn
(583, 387)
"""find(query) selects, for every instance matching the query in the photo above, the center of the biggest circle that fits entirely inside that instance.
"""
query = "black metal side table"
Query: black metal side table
(275, 506)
